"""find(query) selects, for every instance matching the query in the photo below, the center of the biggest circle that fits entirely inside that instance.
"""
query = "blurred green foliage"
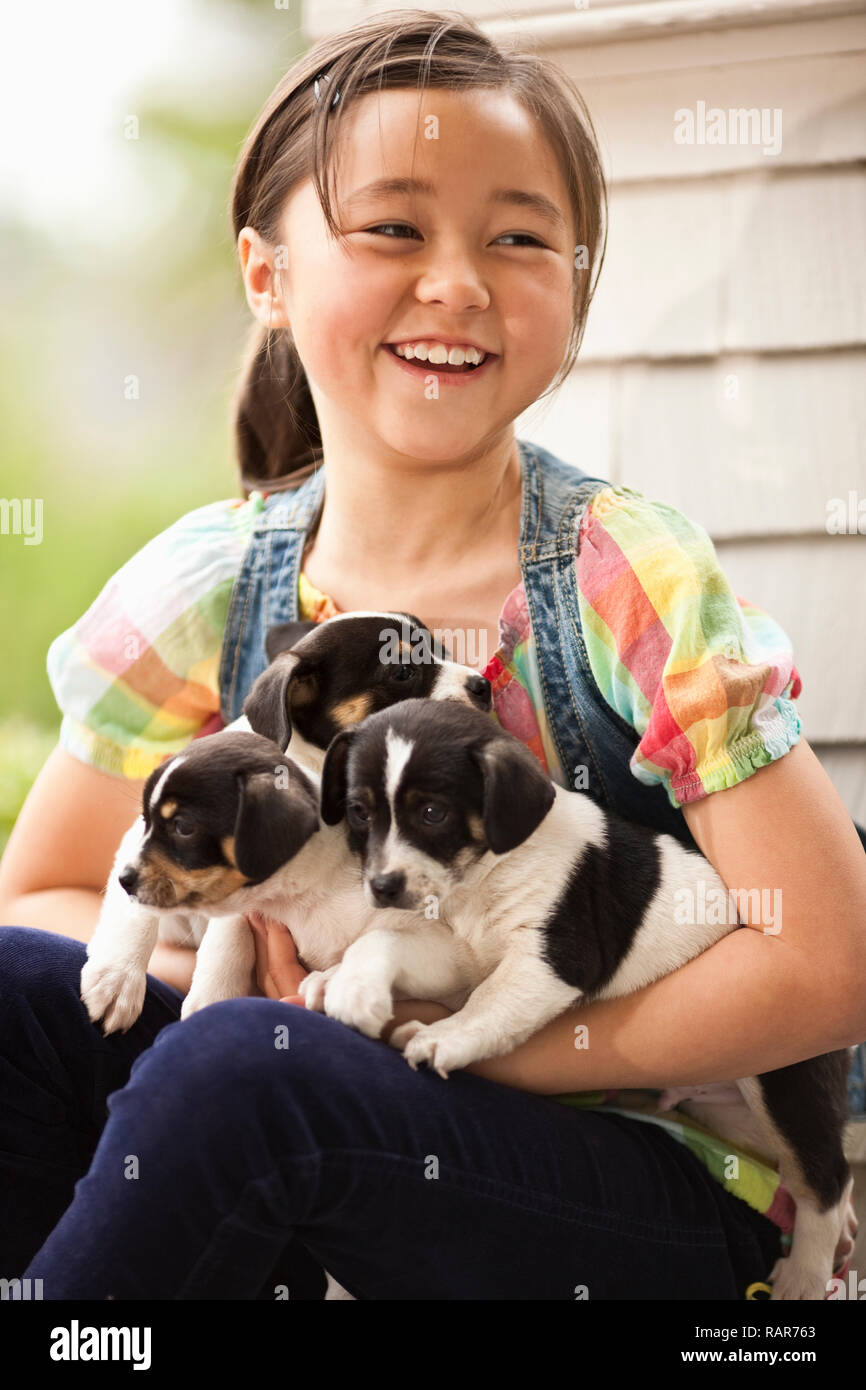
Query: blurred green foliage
(75, 326)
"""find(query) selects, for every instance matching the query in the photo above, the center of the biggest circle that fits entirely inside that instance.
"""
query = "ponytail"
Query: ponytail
(273, 415)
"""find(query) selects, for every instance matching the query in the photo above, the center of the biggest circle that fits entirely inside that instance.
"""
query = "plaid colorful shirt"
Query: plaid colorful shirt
(706, 679)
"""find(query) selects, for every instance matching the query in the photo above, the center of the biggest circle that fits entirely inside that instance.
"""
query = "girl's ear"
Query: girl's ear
(332, 791)
(517, 793)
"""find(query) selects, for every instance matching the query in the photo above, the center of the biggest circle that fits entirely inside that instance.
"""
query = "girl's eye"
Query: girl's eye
(433, 815)
(522, 236)
(404, 227)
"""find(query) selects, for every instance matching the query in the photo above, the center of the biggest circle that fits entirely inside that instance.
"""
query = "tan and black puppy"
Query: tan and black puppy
(325, 677)
(219, 818)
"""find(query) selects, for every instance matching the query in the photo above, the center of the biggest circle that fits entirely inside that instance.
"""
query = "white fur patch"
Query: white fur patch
(157, 791)
(398, 750)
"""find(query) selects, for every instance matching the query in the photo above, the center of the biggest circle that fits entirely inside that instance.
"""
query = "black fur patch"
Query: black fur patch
(808, 1103)
(594, 921)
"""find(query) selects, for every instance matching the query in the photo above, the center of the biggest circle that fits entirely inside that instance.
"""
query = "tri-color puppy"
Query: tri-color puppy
(550, 899)
(200, 852)
(324, 677)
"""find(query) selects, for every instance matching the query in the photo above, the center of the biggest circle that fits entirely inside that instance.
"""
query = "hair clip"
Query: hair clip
(325, 77)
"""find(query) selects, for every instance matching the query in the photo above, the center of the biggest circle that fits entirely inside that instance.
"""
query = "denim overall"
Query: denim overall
(586, 731)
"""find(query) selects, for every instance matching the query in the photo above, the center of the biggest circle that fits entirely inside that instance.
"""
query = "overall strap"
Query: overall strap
(556, 494)
(266, 588)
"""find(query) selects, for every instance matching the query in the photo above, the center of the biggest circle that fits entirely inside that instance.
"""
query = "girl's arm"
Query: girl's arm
(61, 850)
(754, 1001)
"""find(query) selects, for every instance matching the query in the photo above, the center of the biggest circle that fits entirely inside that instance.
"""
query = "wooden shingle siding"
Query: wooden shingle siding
(751, 261)
(821, 97)
(754, 439)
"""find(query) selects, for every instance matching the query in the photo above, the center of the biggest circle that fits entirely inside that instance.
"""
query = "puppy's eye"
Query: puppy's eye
(433, 815)
(356, 813)
(182, 828)
(401, 673)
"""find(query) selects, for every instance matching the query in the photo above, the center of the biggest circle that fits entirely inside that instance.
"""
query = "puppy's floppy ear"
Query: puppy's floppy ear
(332, 790)
(272, 823)
(267, 705)
(283, 636)
(517, 793)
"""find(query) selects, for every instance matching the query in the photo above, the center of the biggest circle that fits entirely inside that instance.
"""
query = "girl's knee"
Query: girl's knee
(38, 965)
(243, 1041)
(252, 1046)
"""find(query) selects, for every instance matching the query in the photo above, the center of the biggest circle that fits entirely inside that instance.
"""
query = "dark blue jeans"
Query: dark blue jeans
(238, 1154)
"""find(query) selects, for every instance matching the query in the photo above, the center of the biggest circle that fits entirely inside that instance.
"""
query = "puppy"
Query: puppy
(322, 676)
(556, 900)
(325, 677)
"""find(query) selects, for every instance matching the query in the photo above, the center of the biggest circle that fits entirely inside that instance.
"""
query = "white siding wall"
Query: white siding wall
(723, 365)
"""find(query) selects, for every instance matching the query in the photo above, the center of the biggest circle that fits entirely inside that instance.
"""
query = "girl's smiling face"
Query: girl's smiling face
(462, 263)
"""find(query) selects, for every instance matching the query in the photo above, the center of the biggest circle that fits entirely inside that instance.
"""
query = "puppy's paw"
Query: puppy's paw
(313, 987)
(438, 1045)
(113, 992)
(797, 1282)
(212, 993)
(401, 1035)
(359, 1000)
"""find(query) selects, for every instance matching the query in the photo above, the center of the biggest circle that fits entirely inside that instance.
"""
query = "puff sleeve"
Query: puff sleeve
(706, 679)
(138, 675)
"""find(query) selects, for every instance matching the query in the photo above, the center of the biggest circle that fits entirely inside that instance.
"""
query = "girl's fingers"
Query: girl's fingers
(283, 965)
(263, 974)
(278, 970)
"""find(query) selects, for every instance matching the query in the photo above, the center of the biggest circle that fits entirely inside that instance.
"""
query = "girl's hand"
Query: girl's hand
(278, 970)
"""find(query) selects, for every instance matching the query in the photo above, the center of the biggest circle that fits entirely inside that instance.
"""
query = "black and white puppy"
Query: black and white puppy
(321, 678)
(555, 900)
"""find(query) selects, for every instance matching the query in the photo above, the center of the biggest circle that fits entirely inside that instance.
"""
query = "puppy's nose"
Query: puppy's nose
(128, 880)
(479, 690)
(388, 887)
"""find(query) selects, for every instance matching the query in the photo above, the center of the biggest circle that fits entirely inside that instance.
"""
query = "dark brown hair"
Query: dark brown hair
(276, 430)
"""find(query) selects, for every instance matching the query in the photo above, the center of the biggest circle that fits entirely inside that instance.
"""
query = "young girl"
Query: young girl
(411, 183)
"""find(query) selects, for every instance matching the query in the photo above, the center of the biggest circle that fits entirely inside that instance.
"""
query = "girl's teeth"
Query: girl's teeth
(438, 354)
